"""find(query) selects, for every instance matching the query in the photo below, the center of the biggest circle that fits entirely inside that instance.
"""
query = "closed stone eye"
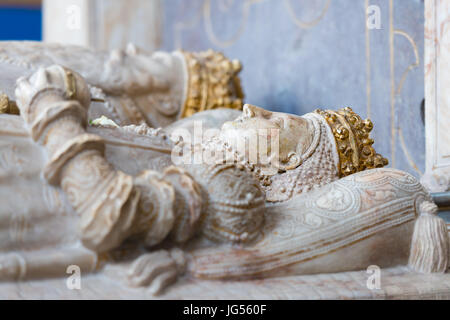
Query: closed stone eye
(279, 122)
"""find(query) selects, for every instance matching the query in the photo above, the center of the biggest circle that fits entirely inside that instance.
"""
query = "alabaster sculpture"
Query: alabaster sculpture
(132, 86)
(132, 202)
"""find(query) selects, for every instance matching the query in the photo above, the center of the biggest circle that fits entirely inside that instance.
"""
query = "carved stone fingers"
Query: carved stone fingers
(156, 270)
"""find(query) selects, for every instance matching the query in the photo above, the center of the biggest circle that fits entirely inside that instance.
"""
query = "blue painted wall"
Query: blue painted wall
(21, 23)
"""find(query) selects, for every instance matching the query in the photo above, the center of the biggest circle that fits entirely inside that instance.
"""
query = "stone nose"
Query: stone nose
(253, 111)
(247, 111)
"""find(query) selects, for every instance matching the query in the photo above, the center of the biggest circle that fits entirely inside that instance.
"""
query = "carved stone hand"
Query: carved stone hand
(56, 81)
(156, 270)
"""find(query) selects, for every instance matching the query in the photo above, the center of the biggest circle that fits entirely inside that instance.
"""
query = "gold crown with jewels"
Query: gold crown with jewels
(353, 141)
(213, 82)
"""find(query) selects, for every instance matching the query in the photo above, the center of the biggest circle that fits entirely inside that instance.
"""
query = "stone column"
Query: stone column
(103, 24)
(437, 95)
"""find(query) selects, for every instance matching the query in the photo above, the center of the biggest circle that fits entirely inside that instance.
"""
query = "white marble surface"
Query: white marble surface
(437, 95)
(396, 283)
(103, 24)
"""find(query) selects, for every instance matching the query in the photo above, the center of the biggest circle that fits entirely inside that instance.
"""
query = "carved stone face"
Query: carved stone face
(278, 134)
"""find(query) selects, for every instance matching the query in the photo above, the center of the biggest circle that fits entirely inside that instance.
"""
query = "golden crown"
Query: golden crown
(213, 82)
(353, 141)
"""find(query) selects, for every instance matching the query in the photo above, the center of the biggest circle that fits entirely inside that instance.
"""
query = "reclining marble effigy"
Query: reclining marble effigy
(110, 197)
(132, 86)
